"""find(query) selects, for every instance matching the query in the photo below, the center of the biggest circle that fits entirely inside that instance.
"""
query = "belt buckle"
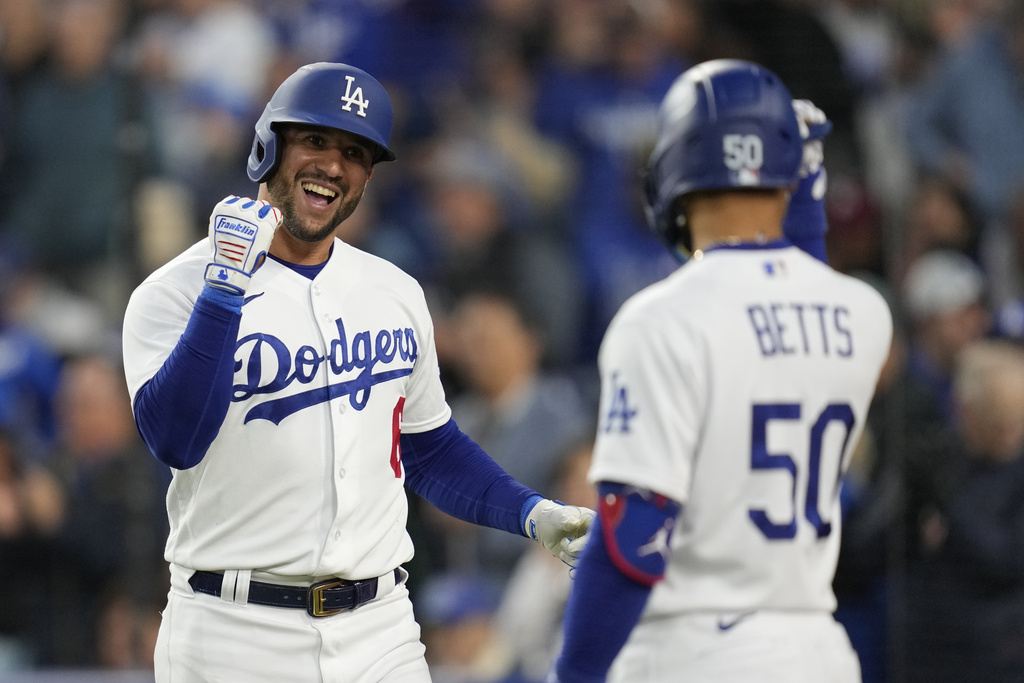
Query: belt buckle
(315, 601)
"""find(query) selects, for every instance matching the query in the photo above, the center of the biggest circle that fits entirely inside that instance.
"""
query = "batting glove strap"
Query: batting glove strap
(560, 528)
(227, 278)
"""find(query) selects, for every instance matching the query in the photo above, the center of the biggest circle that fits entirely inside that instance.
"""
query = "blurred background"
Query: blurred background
(521, 128)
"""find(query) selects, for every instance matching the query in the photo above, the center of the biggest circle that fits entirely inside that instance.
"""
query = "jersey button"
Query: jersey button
(316, 290)
(341, 408)
(337, 535)
(326, 317)
(341, 473)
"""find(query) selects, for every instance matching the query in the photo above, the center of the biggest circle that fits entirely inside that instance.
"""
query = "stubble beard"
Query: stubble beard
(282, 198)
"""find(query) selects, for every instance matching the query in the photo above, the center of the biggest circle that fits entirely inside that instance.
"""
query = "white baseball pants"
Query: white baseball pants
(205, 639)
(756, 647)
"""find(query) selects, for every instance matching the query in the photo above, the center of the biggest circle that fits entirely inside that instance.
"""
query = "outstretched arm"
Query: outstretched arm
(451, 472)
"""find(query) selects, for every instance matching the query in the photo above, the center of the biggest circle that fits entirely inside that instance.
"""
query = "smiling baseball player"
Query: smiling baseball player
(732, 394)
(291, 382)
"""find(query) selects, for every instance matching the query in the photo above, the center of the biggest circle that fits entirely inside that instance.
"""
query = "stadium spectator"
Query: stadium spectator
(109, 542)
(944, 296)
(598, 95)
(31, 505)
(480, 222)
(524, 417)
(966, 595)
(67, 179)
(938, 217)
(29, 369)
(964, 121)
(207, 65)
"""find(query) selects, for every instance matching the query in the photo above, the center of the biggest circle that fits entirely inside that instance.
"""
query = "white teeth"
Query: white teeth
(319, 189)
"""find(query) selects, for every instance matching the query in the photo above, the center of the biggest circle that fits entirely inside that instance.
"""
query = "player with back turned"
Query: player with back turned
(732, 394)
(291, 382)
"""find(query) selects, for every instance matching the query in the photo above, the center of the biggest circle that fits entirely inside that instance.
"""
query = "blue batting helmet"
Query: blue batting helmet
(724, 124)
(324, 94)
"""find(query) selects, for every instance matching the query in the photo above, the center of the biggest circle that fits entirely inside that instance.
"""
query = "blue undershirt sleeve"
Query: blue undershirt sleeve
(451, 472)
(805, 223)
(608, 595)
(180, 410)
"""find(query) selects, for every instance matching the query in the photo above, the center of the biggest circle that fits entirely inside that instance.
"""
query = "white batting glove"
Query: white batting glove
(562, 529)
(241, 230)
(814, 126)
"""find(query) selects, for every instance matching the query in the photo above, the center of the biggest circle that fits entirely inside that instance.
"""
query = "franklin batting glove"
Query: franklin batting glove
(560, 528)
(241, 230)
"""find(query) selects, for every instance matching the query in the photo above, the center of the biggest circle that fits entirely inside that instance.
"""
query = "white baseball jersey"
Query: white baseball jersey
(304, 478)
(738, 386)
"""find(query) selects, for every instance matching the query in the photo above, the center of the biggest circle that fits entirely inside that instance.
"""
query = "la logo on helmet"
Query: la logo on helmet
(356, 98)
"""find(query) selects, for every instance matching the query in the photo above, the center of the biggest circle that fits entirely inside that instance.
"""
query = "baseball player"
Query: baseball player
(732, 394)
(291, 383)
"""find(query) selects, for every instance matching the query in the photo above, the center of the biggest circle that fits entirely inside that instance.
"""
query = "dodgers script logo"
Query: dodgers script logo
(270, 366)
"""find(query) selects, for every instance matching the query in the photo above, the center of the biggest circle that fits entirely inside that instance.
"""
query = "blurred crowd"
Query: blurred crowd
(521, 129)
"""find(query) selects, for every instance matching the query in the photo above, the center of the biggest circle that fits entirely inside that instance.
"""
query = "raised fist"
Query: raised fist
(814, 126)
(241, 230)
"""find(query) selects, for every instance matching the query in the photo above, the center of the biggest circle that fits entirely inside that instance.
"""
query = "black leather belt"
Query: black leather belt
(319, 600)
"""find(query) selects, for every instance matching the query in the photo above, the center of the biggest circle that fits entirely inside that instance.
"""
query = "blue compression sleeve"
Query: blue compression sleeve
(180, 410)
(604, 606)
(451, 472)
(614, 577)
(805, 223)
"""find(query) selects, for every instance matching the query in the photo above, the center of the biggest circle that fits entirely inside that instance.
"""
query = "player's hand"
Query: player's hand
(814, 126)
(241, 230)
(562, 529)
(806, 223)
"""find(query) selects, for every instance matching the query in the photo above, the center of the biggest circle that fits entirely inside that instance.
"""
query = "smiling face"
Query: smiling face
(319, 180)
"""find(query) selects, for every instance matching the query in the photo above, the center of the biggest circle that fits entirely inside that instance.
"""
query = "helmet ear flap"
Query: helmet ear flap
(263, 156)
(683, 240)
(669, 224)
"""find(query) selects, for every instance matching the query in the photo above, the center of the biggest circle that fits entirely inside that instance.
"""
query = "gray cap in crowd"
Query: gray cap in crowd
(940, 282)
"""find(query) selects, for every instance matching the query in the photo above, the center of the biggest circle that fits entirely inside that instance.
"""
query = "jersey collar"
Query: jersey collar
(780, 243)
